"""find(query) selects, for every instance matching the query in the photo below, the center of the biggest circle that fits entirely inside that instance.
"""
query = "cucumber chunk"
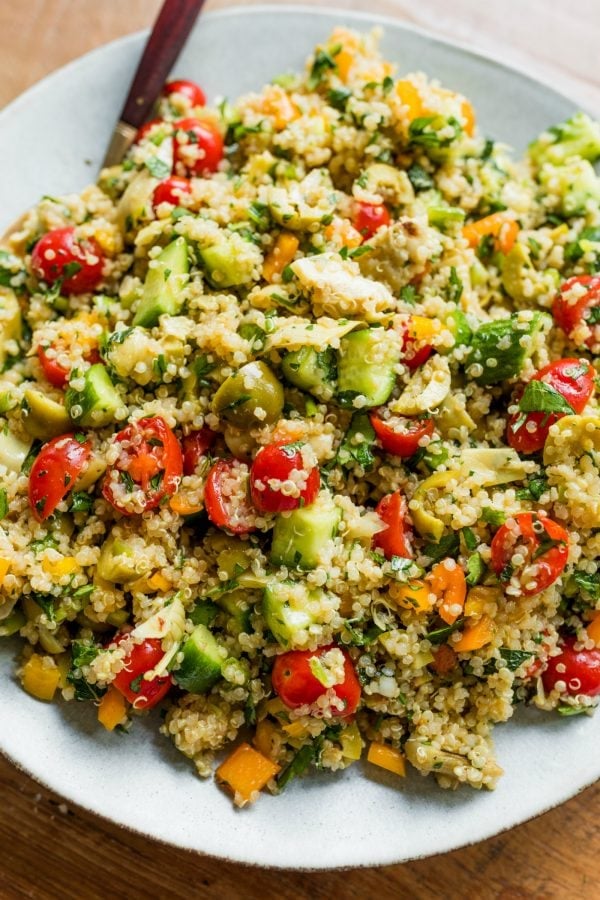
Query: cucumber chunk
(204, 613)
(502, 347)
(367, 366)
(13, 451)
(238, 610)
(303, 539)
(201, 664)
(95, 406)
(286, 608)
(311, 370)
(163, 287)
(228, 263)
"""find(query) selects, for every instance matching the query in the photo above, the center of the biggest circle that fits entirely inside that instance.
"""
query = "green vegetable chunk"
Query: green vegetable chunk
(251, 395)
(201, 664)
(367, 366)
(163, 287)
(94, 406)
(311, 370)
(578, 136)
(502, 347)
(302, 538)
(44, 418)
(286, 607)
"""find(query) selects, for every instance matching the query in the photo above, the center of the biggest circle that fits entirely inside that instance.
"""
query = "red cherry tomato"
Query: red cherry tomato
(54, 473)
(148, 469)
(146, 128)
(368, 218)
(198, 147)
(171, 190)
(278, 469)
(399, 435)
(226, 497)
(56, 374)
(572, 307)
(573, 379)
(396, 539)
(542, 542)
(295, 683)
(189, 89)
(413, 356)
(579, 669)
(79, 264)
(142, 693)
(194, 445)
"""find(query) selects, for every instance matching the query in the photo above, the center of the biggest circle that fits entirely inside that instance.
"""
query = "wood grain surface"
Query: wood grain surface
(49, 849)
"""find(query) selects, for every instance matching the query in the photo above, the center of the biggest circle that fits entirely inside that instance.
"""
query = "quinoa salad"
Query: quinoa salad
(300, 435)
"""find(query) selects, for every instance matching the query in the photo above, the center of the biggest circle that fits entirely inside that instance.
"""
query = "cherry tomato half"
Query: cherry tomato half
(55, 471)
(574, 305)
(542, 542)
(198, 147)
(189, 89)
(281, 478)
(294, 681)
(579, 669)
(145, 129)
(226, 497)
(79, 264)
(399, 435)
(142, 693)
(194, 445)
(148, 469)
(368, 218)
(573, 379)
(53, 371)
(395, 540)
(171, 190)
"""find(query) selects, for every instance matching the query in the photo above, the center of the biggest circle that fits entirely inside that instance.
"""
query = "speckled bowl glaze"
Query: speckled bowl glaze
(52, 140)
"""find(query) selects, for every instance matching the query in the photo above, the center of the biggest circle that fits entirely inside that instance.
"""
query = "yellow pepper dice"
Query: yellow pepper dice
(422, 329)
(498, 225)
(295, 730)
(468, 114)
(343, 234)
(59, 567)
(475, 636)
(4, 567)
(264, 737)
(112, 709)
(246, 771)
(478, 598)
(427, 525)
(415, 595)
(39, 677)
(280, 256)
(387, 758)
(410, 97)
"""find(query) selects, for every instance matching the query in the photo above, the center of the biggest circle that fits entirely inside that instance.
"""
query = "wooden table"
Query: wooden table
(49, 849)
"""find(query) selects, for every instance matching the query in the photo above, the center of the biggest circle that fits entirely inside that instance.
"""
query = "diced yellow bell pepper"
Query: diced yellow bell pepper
(478, 598)
(295, 730)
(387, 758)
(264, 736)
(112, 709)
(4, 567)
(59, 567)
(352, 742)
(475, 636)
(246, 771)
(40, 677)
(593, 629)
(410, 97)
(280, 256)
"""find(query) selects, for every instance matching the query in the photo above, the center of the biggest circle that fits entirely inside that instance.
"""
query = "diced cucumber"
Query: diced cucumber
(96, 404)
(226, 263)
(286, 608)
(13, 451)
(302, 538)
(201, 665)
(501, 347)
(445, 217)
(236, 606)
(311, 370)
(458, 324)
(10, 320)
(366, 366)
(163, 287)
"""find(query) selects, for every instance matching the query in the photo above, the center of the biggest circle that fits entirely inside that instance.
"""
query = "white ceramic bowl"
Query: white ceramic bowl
(52, 140)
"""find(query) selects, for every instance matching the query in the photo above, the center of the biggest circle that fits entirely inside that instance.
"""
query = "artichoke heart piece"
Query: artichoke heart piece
(337, 288)
(572, 458)
(426, 390)
(488, 466)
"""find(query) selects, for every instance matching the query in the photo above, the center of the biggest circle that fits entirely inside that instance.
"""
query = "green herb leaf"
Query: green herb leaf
(447, 546)
(324, 61)
(338, 98)
(157, 167)
(3, 504)
(357, 445)
(514, 658)
(476, 569)
(439, 635)
(81, 501)
(566, 710)
(588, 583)
(494, 517)
(419, 178)
(541, 397)
(455, 287)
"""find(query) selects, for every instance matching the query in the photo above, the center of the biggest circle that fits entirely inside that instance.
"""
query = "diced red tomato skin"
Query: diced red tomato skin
(171, 190)
(581, 670)
(189, 89)
(58, 255)
(275, 462)
(195, 446)
(217, 504)
(401, 443)
(550, 564)
(396, 539)
(54, 473)
(204, 135)
(294, 682)
(142, 693)
(569, 315)
(369, 218)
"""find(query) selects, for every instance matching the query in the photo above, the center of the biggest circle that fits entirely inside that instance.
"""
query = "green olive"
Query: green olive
(120, 562)
(252, 389)
(45, 418)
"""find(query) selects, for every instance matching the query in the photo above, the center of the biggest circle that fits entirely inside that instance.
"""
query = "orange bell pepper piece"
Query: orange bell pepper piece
(593, 629)
(387, 757)
(448, 583)
(280, 256)
(415, 595)
(503, 229)
(475, 636)
(246, 771)
(112, 709)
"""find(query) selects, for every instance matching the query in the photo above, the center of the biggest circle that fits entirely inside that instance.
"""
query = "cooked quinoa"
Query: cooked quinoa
(300, 433)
